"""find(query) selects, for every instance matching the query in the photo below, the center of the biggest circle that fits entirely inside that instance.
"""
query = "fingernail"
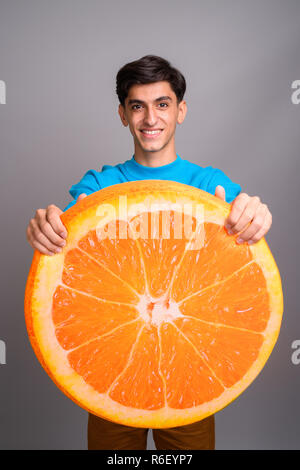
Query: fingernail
(63, 234)
(250, 242)
(239, 240)
(63, 243)
(58, 250)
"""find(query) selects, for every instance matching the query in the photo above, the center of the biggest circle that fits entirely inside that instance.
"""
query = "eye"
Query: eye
(166, 104)
(135, 105)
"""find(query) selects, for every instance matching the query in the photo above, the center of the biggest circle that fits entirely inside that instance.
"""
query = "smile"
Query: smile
(151, 134)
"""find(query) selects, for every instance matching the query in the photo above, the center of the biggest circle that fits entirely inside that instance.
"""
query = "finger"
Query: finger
(81, 196)
(36, 245)
(59, 231)
(264, 229)
(248, 214)
(42, 249)
(257, 224)
(243, 213)
(47, 233)
(41, 238)
(220, 192)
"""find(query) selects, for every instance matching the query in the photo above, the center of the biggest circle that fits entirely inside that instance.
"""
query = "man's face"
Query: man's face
(151, 111)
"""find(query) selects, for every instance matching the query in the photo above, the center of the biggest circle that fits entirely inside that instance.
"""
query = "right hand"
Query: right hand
(46, 232)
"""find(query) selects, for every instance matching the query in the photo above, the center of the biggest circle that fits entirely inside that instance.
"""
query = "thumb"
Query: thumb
(81, 196)
(220, 192)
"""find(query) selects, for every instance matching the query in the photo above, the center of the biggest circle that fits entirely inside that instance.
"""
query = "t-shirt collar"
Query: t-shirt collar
(136, 170)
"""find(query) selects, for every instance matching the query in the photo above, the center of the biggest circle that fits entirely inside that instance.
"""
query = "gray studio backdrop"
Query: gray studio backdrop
(58, 62)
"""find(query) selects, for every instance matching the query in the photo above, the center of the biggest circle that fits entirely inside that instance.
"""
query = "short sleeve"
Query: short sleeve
(88, 184)
(231, 189)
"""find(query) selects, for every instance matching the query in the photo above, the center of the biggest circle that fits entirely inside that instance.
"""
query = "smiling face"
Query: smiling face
(151, 111)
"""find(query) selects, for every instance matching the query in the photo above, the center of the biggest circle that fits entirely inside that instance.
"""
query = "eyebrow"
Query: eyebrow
(161, 98)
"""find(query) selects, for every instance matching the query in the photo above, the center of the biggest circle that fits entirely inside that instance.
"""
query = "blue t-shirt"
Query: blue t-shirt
(179, 170)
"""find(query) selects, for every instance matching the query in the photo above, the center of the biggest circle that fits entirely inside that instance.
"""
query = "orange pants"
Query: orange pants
(105, 435)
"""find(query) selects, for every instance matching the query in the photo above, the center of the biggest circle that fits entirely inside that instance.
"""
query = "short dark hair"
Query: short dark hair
(149, 69)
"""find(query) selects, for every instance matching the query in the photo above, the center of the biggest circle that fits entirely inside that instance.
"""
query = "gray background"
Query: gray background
(59, 60)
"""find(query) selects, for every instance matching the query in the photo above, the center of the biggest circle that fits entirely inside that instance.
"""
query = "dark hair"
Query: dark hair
(149, 69)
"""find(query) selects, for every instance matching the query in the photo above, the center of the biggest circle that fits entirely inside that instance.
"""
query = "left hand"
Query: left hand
(248, 215)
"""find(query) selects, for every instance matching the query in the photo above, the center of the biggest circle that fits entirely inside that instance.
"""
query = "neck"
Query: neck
(155, 159)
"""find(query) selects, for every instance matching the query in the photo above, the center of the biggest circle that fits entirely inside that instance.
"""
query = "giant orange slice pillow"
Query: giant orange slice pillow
(152, 315)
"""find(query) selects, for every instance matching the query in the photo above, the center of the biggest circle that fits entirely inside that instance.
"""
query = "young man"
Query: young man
(151, 94)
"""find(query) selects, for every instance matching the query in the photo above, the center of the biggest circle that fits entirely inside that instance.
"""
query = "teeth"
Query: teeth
(151, 132)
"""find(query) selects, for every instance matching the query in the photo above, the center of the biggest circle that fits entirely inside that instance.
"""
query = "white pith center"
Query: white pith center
(157, 310)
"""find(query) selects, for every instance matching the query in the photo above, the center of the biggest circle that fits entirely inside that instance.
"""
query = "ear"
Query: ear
(182, 110)
(122, 115)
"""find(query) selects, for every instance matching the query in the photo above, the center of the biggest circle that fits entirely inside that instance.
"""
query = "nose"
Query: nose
(150, 117)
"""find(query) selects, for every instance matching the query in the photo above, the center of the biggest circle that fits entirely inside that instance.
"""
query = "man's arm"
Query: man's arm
(46, 232)
(248, 216)
(88, 184)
